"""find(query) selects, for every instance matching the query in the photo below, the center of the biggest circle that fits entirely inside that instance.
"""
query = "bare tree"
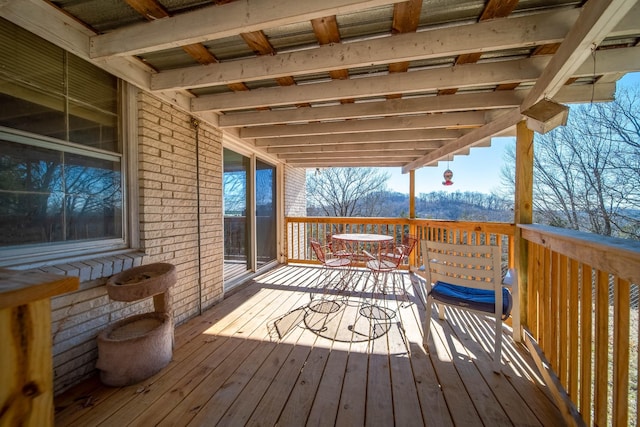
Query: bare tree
(344, 192)
(587, 174)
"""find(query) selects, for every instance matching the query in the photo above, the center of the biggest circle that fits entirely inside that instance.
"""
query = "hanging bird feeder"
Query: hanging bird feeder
(448, 175)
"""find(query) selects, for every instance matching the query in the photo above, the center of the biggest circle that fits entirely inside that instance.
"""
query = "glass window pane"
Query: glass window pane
(48, 197)
(31, 60)
(26, 108)
(93, 105)
(93, 128)
(236, 227)
(30, 195)
(93, 198)
(265, 213)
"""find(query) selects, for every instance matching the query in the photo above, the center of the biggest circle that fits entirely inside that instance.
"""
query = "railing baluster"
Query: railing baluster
(546, 310)
(621, 308)
(586, 344)
(601, 348)
(563, 318)
(573, 329)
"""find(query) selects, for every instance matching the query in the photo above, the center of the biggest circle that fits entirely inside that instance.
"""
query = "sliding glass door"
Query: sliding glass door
(237, 260)
(266, 243)
(250, 222)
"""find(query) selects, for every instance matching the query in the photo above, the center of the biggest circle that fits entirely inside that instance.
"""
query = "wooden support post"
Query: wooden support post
(523, 215)
(414, 259)
(412, 194)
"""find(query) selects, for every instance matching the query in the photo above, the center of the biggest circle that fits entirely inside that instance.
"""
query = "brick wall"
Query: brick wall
(295, 204)
(169, 202)
(295, 193)
(169, 232)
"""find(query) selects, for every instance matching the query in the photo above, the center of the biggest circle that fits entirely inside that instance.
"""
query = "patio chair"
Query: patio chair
(389, 257)
(338, 249)
(468, 277)
(332, 265)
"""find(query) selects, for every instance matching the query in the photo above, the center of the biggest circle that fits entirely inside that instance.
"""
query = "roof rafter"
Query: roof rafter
(424, 81)
(216, 22)
(430, 121)
(486, 36)
(597, 18)
(412, 135)
(398, 146)
(417, 105)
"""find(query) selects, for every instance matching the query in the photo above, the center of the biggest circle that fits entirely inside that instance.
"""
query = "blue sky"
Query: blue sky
(479, 171)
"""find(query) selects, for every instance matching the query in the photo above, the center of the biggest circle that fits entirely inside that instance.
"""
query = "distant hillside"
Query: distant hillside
(467, 206)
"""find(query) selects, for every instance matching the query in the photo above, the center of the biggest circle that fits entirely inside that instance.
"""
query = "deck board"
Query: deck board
(326, 363)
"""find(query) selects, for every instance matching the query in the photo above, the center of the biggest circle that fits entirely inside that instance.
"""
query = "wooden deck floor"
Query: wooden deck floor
(339, 362)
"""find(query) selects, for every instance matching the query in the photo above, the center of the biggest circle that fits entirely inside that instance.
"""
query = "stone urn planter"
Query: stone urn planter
(137, 347)
(141, 282)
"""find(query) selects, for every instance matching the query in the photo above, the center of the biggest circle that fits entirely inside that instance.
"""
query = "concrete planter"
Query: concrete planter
(135, 348)
(141, 282)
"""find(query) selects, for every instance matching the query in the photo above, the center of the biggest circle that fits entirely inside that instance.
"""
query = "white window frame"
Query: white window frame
(33, 255)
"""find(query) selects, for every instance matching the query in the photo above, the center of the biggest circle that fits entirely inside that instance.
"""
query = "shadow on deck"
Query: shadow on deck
(270, 354)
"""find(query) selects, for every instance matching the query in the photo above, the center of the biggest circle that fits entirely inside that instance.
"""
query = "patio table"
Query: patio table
(361, 246)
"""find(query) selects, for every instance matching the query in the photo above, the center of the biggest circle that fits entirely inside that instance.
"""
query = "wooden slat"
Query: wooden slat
(563, 317)
(534, 291)
(621, 311)
(556, 345)
(601, 345)
(547, 332)
(586, 359)
(574, 323)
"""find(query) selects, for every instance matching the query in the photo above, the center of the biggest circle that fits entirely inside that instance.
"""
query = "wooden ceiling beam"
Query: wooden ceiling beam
(467, 76)
(361, 163)
(396, 146)
(424, 81)
(351, 162)
(412, 135)
(430, 121)
(532, 30)
(217, 22)
(260, 44)
(383, 155)
(417, 105)
(475, 137)
(394, 107)
(596, 20)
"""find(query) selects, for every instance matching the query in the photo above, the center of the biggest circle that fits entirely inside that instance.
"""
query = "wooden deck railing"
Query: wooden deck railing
(300, 229)
(582, 310)
(582, 300)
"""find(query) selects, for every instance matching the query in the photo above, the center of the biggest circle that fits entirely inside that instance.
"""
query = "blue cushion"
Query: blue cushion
(476, 299)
